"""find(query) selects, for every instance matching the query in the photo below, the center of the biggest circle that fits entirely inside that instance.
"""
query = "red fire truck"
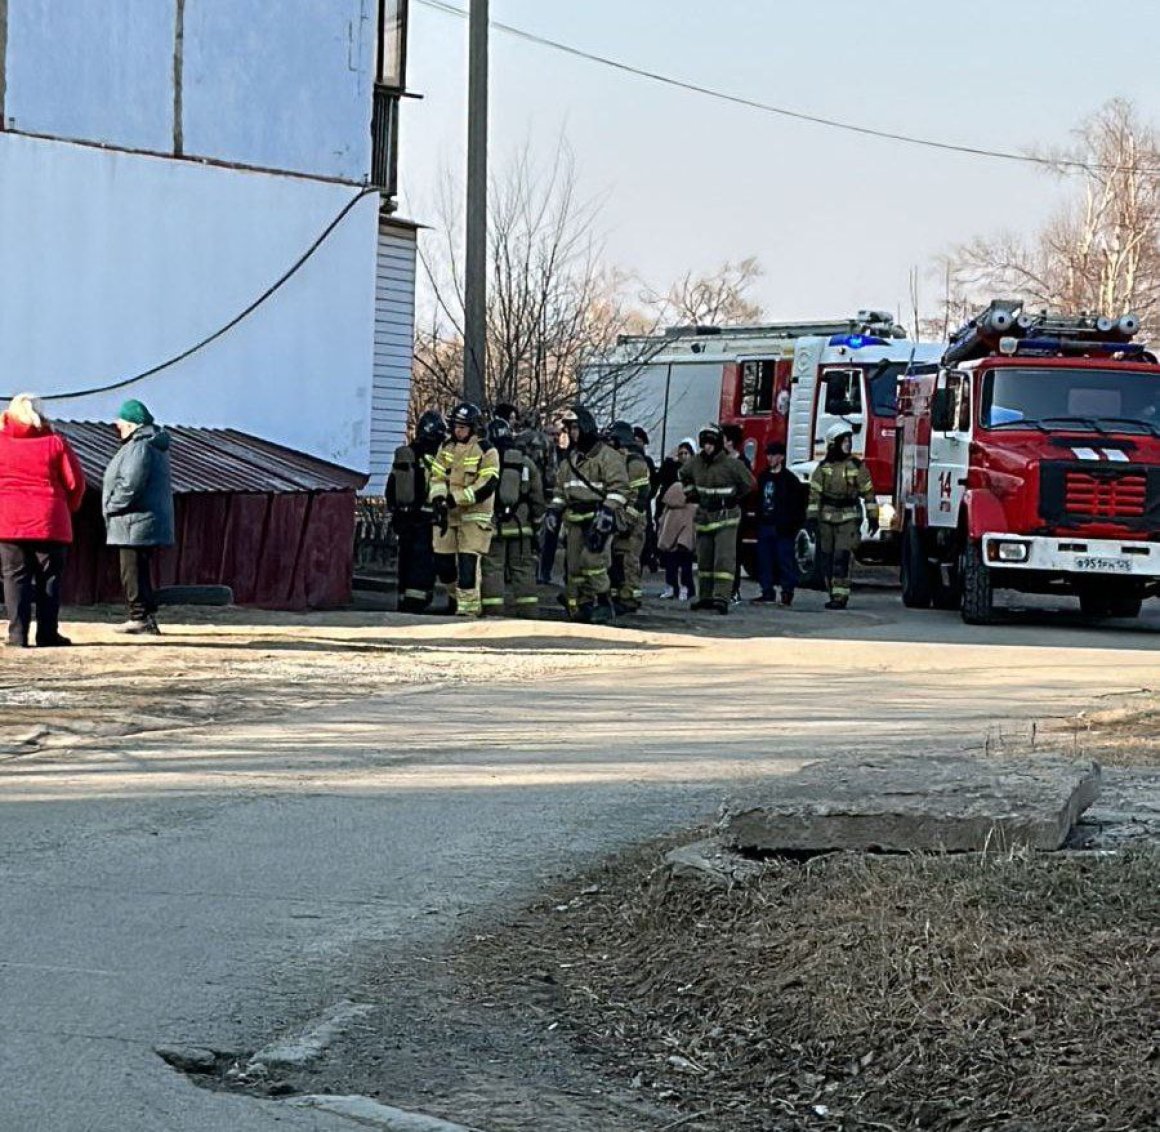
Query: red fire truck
(1030, 461)
(780, 381)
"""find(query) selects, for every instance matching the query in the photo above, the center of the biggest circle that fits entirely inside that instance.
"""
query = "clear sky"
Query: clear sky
(837, 221)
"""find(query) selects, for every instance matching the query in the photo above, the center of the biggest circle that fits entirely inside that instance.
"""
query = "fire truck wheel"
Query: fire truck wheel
(914, 570)
(978, 598)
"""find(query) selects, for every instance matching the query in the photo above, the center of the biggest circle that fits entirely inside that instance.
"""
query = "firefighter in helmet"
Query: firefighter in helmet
(412, 515)
(839, 489)
(591, 488)
(628, 542)
(716, 482)
(510, 564)
(464, 478)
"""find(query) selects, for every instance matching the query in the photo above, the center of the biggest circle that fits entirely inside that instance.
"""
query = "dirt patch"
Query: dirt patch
(1124, 733)
(230, 665)
(964, 993)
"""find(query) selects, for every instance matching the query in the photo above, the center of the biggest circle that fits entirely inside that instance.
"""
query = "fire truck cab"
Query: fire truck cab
(1030, 461)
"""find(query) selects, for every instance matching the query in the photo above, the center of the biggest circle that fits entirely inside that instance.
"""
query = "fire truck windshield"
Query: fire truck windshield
(1084, 400)
(883, 380)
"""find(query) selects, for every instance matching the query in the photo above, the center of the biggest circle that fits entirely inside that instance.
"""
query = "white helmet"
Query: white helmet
(836, 431)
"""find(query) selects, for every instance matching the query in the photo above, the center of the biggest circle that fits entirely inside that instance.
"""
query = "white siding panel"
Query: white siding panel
(394, 346)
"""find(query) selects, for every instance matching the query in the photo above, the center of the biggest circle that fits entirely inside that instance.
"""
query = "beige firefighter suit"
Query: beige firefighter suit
(510, 566)
(717, 484)
(466, 475)
(628, 544)
(838, 489)
(585, 482)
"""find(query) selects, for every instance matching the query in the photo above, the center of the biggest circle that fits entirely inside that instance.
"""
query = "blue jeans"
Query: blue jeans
(776, 561)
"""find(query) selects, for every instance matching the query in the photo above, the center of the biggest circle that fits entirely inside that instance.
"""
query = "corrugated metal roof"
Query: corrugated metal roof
(217, 459)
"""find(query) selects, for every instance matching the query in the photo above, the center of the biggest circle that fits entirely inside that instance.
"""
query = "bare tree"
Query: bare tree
(1101, 251)
(552, 301)
(719, 298)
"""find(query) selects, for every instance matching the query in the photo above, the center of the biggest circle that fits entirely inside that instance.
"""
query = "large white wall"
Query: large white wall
(282, 84)
(112, 262)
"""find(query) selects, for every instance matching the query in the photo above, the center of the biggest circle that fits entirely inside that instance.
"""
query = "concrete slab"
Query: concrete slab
(915, 804)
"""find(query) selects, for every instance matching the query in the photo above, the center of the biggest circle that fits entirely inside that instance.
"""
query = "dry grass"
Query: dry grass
(1015, 993)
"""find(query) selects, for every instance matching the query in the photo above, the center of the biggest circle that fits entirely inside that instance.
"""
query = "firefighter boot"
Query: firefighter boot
(603, 612)
(837, 603)
(721, 605)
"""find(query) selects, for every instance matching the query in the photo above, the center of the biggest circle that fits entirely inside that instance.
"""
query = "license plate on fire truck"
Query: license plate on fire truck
(1103, 565)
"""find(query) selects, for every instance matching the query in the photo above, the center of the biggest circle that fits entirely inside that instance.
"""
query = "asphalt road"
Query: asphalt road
(224, 886)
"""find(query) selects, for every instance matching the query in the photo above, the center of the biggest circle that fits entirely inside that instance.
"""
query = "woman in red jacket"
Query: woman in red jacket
(41, 484)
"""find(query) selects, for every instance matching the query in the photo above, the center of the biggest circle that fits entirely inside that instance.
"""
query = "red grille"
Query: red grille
(1106, 497)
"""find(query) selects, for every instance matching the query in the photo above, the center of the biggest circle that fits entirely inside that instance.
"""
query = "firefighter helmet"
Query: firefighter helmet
(620, 434)
(465, 414)
(712, 434)
(583, 419)
(836, 431)
(499, 433)
(432, 429)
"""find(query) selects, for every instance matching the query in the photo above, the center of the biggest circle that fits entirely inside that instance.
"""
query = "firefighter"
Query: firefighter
(716, 482)
(412, 515)
(628, 542)
(464, 478)
(839, 488)
(591, 488)
(511, 562)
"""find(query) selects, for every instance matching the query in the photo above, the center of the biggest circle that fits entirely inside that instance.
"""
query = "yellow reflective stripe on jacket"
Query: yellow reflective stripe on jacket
(707, 528)
(636, 485)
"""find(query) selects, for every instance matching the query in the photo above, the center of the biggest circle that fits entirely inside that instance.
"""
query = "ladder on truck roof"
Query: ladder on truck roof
(875, 323)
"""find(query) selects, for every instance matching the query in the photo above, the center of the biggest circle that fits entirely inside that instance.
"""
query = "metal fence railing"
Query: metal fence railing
(374, 541)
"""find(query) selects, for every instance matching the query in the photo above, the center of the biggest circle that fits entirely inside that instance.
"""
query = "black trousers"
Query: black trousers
(416, 564)
(137, 580)
(31, 572)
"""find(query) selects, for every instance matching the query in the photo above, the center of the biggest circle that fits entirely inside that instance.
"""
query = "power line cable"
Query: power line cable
(785, 112)
(266, 295)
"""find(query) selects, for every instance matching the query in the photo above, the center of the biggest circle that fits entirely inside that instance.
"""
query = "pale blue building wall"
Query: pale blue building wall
(285, 85)
(278, 84)
(94, 70)
(121, 248)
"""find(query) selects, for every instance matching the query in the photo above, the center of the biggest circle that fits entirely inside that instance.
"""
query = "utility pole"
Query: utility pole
(475, 283)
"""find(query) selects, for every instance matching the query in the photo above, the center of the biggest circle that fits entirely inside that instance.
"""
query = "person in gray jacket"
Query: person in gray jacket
(137, 500)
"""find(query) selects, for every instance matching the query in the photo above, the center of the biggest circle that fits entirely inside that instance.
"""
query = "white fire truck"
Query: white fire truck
(780, 381)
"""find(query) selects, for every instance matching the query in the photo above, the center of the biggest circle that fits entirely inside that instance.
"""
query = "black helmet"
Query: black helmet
(465, 414)
(499, 433)
(712, 434)
(620, 434)
(431, 430)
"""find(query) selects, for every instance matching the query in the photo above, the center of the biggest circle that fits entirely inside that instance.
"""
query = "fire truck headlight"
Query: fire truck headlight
(1011, 551)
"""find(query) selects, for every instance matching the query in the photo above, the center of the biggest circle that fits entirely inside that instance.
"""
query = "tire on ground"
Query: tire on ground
(914, 570)
(978, 597)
